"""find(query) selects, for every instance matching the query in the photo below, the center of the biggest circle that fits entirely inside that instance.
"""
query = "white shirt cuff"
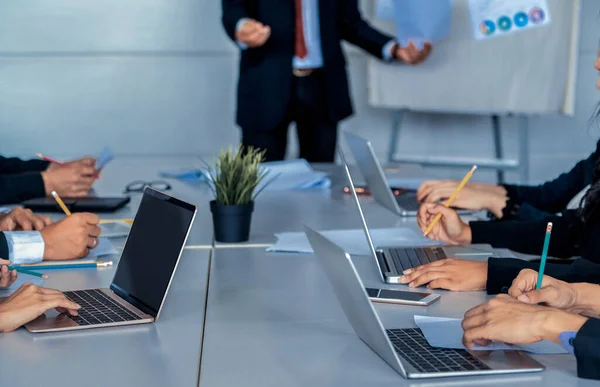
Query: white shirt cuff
(239, 25)
(387, 53)
(25, 247)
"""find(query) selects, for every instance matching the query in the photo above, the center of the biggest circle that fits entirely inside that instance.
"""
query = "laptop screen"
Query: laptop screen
(153, 247)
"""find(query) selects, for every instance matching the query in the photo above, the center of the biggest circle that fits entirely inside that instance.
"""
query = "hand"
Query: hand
(74, 179)
(450, 229)
(554, 293)
(71, 238)
(23, 219)
(411, 54)
(513, 322)
(253, 33)
(29, 302)
(451, 274)
(469, 198)
(7, 277)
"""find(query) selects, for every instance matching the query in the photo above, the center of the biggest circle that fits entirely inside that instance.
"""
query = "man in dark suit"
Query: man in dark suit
(292, 68)
(21, 180)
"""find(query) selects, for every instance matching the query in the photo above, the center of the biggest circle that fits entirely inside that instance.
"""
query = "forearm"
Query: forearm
(587, 302)
(20, 187)
(14, 165)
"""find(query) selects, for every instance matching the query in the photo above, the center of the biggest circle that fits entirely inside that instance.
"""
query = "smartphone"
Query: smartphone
(365, 191)
(401, 297)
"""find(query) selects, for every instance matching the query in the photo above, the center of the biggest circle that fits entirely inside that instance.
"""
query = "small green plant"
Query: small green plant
(236, 174)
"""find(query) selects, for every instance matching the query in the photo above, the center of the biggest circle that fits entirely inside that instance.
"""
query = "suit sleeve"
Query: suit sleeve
(20, 187)
(587, 350)
(3, 247)
(11, 165)
(233, 11)
(554, 196)
(356, 30)
(527, 237)
(502, 272)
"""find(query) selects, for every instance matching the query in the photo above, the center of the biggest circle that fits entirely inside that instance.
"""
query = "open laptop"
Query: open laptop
(368, 164)
(405, 349)
(144, 274)
(392, 261)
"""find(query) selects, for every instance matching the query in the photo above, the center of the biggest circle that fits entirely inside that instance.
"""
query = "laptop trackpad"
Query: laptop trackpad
(465, 251)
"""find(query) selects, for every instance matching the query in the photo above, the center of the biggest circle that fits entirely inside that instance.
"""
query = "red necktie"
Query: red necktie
(300, 47)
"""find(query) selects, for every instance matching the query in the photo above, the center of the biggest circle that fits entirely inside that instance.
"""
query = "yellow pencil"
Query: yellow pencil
(128, 221)
(61, 203)
(451, 199)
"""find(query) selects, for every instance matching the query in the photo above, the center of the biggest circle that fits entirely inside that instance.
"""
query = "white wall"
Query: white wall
(158, 76)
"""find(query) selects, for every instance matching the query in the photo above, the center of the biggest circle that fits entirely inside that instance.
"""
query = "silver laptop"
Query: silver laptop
(392, 261)
(369, 166)
(142, 279)
(405, 349)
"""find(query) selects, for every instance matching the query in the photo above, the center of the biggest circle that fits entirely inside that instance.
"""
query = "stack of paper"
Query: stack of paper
(352, 241)
(442, 332)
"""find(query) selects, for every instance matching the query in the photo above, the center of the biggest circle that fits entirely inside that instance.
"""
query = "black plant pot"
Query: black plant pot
(231, 223)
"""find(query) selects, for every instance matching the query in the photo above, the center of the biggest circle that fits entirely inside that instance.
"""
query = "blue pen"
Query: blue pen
(544, 256)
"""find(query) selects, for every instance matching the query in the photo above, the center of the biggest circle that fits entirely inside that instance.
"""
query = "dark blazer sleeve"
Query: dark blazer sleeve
(356, 30)
(3, 247)
(10, 165)
(502, 272)
(527, 237)
(554, 196)
(19, 187)
(233, 11)
(587, 350)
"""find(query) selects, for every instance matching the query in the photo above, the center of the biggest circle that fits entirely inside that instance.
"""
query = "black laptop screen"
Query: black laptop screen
(152, 250)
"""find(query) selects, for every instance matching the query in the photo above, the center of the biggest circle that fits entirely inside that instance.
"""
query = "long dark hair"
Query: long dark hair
(592, 196)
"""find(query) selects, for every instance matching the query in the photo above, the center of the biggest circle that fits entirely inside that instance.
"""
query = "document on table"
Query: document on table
(352, 241)
(422, 20)
(493, 18)
(442, 332)
(116, 229)
(105, 247)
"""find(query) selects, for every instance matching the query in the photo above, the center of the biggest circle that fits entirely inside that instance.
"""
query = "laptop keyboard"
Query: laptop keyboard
(407, 258)
(98, 308)
(412, 346)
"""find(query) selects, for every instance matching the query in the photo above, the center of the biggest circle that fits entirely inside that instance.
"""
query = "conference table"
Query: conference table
(272, 319)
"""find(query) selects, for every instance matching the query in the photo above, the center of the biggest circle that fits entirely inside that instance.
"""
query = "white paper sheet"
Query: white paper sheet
(442, 332)
(352, 241)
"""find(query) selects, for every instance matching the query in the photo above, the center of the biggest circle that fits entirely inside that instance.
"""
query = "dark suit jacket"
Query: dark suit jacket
(527, 203)
(587, 350)
(265, 80)
(3, 247)
(21, 180)
(571, 236)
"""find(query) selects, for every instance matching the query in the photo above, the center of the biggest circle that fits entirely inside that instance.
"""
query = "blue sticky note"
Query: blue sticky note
(104, 158)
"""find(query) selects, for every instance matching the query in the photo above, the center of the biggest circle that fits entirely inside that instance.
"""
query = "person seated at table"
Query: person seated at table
(520, 202)
(569, 316)
(574, 234)
(22, 180)
(29, 302)
(29, 238)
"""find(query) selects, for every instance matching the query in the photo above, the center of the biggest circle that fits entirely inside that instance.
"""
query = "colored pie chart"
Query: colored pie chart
(521, 19)
(537, 15)
(487, 27)
(504, 23)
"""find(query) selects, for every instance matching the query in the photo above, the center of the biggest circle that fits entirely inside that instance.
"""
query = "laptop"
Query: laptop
(87, 204)
(144, 274)
(393, 260)
(405, 349)
(405, 204)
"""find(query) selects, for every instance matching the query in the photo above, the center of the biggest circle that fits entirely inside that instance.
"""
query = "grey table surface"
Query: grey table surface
(166, 353)
(273, 320)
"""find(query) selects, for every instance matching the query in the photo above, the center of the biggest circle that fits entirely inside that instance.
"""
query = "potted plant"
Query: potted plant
(235, 177)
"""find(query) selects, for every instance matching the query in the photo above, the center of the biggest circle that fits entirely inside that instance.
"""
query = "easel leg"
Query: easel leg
(496, 127)
(524, 149)
(395, 134)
